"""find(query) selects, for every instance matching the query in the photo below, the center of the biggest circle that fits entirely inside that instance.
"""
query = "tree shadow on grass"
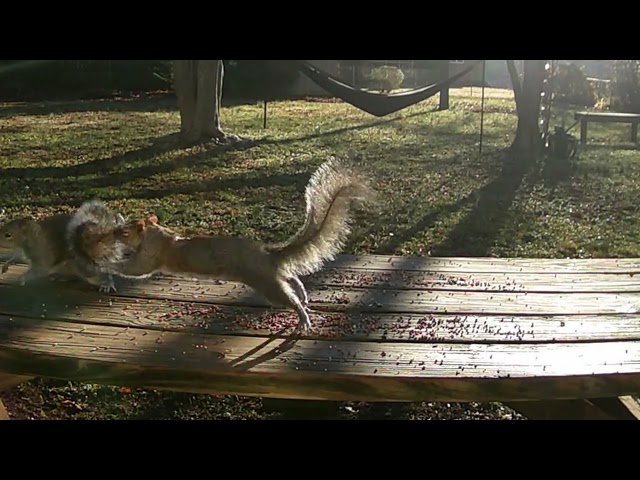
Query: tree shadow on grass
(159, 146)
(102, 176)
(477, 232)
(555, 171)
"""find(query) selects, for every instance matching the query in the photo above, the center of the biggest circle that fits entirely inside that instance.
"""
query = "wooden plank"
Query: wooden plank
(92, 307)
(405, 301)
(456, 265)
(386, 300)
(4, 415)
(486, 264)
(604, 117)
(421, 280)
(481, 282)
(382, 301)
(320, 370)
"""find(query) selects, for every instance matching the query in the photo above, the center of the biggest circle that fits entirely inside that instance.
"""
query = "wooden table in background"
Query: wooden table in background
(607, 117)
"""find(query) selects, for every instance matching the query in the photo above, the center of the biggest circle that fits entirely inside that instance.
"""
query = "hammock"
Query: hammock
(377, 104)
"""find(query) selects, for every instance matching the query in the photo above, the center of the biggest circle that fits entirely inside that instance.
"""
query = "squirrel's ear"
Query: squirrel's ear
(152, 219)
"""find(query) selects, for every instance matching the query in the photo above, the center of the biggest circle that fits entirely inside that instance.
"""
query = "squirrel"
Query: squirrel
(271, 269)
(66, 244)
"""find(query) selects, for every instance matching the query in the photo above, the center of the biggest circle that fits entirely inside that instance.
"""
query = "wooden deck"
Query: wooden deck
(519, 331)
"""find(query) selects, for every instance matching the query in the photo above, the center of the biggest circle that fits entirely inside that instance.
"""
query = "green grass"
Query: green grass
(437, 194)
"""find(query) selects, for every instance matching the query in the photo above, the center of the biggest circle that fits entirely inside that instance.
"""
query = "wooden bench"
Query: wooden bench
(550, 338)
(607, 117)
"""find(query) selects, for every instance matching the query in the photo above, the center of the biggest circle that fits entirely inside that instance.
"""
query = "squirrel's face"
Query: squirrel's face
(132, 234)
(13, 233)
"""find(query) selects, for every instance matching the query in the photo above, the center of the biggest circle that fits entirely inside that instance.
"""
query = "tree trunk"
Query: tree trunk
(219, 83)
(527, 141)
(198, 85)
(204, 125)
(184, 75)
(515, 80)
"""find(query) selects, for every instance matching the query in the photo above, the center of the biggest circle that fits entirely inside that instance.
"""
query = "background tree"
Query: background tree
(625, 86)
(198, 86)
(527, 96)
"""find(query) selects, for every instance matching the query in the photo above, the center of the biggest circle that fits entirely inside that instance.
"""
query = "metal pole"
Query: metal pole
(264, 115)
(484, 73)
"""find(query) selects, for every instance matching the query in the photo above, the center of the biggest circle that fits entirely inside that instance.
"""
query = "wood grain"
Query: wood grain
(321, 370)
(481, 282)
(94, 308)
(336, 279)
(480, 264)
(348, 299)
(487, 264)
(441, 330)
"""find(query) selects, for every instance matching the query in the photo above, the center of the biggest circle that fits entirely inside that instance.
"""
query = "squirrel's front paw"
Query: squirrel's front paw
(107, 288)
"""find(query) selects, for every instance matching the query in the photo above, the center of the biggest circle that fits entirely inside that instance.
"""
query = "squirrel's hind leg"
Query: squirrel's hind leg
(282, 293)
(298, 286)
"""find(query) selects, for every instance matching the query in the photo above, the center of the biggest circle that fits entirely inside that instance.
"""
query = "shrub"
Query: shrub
(386, 78)
(46, 80)
(570, 86)
(259, 79)
(625, 86)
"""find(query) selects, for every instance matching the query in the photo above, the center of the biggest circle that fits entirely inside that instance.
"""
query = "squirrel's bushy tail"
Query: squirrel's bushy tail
(329, 196)
(90, 230)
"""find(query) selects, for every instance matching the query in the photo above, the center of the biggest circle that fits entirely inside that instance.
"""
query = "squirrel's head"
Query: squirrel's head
(15, 233)
(132, 233)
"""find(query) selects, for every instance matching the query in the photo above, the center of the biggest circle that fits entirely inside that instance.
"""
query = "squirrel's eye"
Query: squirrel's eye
(7, 235)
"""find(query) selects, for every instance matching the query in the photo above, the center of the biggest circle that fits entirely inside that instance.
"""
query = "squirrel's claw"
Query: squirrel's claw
(107, 288)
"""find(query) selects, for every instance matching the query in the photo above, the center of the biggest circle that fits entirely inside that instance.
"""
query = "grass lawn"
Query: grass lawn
(438, 197)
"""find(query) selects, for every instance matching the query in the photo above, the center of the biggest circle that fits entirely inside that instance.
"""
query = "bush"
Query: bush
(386, 78)
(570, 86)
(65, 79)
(259, 79)
(625, 86)
(74, 79)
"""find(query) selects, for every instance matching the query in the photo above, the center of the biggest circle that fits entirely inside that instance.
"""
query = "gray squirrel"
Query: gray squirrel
(271, 269)
(69, 244)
